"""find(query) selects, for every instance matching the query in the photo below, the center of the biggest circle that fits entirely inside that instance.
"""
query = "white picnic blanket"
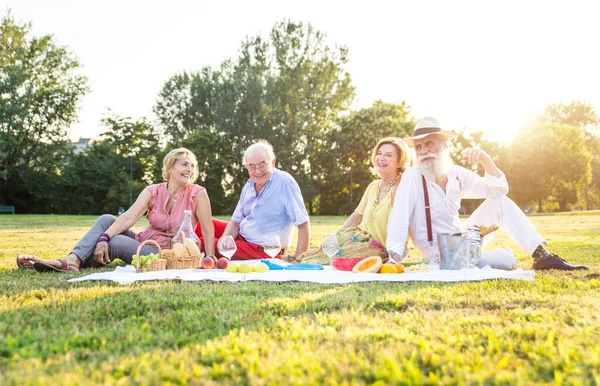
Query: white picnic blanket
(127, 275)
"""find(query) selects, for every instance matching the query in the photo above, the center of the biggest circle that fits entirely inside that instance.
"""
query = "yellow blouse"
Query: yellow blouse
(376, 225)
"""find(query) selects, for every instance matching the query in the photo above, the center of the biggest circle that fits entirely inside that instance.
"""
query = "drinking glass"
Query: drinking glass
(330, 246)
(272, 246)
(227, 246)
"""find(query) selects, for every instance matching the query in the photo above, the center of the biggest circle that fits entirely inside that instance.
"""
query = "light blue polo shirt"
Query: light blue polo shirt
(276, 210)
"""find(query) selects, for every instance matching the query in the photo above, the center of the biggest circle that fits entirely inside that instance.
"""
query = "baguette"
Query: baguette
(488, 230)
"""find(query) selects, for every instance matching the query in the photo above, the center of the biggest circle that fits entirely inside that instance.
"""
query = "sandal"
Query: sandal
(26, 261)
(46, 266)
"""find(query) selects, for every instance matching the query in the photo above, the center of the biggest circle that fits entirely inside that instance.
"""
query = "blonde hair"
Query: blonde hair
(172, 157)
(401, 152)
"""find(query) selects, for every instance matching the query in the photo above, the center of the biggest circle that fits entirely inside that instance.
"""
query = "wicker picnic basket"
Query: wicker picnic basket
(181, 262)
(156, 265)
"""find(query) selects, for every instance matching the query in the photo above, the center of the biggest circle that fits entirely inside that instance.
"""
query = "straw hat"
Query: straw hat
(428, 126)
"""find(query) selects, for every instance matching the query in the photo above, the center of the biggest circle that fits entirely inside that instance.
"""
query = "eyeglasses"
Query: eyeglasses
(261, 166)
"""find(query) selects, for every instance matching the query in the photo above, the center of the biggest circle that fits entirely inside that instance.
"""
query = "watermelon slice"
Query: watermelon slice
(345, 263)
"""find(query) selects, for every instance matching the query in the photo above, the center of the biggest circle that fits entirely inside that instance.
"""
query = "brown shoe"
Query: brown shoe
(26, 261)
(555, 262)
(60, 265)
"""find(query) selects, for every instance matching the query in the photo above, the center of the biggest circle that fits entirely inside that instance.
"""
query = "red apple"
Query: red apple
(222, 263)
(207, 263)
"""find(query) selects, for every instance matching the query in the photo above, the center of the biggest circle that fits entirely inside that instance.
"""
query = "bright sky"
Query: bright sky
(477, 64)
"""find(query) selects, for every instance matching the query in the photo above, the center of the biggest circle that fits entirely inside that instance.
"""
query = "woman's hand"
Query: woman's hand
(101, 253)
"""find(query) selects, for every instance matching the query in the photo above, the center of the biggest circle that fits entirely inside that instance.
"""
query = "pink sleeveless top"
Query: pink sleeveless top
(162, 225)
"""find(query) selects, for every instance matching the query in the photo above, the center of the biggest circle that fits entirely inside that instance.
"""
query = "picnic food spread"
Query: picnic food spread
(417, 267)
(370, 264)
(345, 263)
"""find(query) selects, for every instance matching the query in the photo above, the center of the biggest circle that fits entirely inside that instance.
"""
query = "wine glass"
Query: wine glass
(272, 246)
(330, 245)
(227, 246)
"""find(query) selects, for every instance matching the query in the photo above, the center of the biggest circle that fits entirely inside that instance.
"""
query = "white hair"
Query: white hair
(436, 167)
(260, 144)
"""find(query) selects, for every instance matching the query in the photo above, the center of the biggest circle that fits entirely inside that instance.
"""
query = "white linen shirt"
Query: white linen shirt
(408, 213)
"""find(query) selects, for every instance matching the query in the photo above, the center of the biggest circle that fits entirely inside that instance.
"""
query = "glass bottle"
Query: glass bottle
(186, 230)
(474, 248)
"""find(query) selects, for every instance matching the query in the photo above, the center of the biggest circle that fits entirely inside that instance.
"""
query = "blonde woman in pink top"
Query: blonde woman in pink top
(112, 238)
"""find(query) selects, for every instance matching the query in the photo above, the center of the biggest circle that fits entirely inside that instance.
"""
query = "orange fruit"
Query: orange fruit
(370, 264)
(388, 268)
(399, 268)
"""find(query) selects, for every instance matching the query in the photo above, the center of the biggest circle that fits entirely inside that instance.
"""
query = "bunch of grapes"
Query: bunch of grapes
(145, 260)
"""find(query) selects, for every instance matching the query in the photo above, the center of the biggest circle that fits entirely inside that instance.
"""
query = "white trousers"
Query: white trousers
(515, 225)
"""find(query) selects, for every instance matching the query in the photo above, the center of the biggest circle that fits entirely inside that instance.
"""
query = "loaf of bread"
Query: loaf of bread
(191, 247)
(179, 250)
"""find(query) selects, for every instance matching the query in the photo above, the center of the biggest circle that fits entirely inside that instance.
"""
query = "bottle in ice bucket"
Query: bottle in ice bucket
(186, 230)
(474, 246)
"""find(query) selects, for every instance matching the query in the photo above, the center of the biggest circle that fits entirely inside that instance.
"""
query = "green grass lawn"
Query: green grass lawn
(493, 332)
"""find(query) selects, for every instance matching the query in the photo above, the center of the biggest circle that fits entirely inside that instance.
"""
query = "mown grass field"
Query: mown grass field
(494, 332)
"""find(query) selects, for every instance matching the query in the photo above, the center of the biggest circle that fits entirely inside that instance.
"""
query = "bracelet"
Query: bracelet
(104, 237)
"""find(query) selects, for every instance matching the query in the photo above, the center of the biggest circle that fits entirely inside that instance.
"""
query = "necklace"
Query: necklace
(387, 190)
(172, 196)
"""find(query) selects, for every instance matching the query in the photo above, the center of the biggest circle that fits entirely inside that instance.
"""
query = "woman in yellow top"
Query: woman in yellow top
(365, 231)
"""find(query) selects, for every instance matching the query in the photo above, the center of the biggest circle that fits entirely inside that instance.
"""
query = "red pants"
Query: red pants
(245, 250)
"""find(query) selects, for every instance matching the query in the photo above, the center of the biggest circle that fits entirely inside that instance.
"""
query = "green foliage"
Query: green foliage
(580, 114)
(549, 159)
(138, 140)
(583, 116)
(39, 93)
(351, 147)
(288, 89)
(489, 332)
(98, 179)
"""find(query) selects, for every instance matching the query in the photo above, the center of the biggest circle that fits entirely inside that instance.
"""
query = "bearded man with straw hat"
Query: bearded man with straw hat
(428, 200)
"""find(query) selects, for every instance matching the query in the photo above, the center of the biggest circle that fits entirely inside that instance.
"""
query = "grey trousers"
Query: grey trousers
(122, 246)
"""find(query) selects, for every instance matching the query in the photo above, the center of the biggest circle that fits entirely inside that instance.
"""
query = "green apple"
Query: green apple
(261, 267)
(245, 268)
(232, 268)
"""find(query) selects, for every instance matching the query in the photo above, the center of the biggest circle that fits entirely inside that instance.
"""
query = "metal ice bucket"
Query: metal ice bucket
(453, 251)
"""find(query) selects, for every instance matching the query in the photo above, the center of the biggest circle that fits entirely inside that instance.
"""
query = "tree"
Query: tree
(581, 115)
(549, 161)
(39, 93)
(289, 89)
(136, 139)
(350, 154)
(98, 179)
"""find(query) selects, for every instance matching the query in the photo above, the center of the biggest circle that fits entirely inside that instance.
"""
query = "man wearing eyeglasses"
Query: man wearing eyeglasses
(270, 204)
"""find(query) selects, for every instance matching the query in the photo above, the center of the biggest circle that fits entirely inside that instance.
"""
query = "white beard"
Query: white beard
(435, 167)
